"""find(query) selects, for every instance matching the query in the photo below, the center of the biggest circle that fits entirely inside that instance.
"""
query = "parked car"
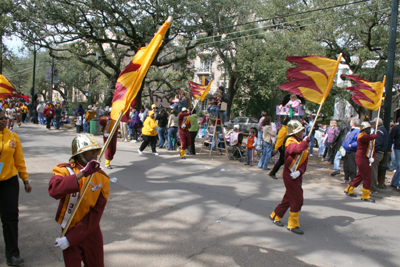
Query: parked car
(245, 124)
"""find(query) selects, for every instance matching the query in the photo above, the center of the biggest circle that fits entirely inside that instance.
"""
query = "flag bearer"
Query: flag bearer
(293, 198)
(184, 134)
(83, 240)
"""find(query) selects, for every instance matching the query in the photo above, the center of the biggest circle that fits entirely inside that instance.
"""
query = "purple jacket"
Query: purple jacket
(331, 134)
(135, 120)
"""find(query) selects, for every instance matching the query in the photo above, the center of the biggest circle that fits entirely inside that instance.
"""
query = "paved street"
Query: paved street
(164, 211)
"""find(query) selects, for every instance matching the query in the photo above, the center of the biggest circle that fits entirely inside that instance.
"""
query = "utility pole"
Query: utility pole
(34, 73)
(390, 64)
(51, 82)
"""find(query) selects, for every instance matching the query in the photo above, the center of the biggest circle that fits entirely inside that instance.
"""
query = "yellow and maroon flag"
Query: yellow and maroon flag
(200, 91)
(312, 78)
(367, 94)
(131, 78)
(7, 89)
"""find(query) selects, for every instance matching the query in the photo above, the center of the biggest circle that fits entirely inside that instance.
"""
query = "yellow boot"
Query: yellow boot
(108, 164)
(366, 197)
(293, 223)
(276, 219)
(182, 152)
(349, 191)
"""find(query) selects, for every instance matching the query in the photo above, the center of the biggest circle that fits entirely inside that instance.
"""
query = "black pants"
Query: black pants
(134, 133)
(146, 140)
(350, 166)
(192, 147)
(279, 163)
(48, 122)
(23, 117)
(9, 194)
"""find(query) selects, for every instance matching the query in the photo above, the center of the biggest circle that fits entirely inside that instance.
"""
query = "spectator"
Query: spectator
(251, 145)
(279, 146)
(268, 133)
(58, 111)
(141, 114)
(194, 128)
(49, 113)
(381, 145)
(394, 139)
(331, 132)
(162, 121)
(149, 133)
(337, 143)
(224, 99)
(145, 112)
(350, 146)
(173, 124)
(90, 114)
(135, 123)
(260, 131)
(40, 110)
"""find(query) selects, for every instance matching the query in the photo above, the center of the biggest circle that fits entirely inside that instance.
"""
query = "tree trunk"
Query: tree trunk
(1, 54)
(231, 94)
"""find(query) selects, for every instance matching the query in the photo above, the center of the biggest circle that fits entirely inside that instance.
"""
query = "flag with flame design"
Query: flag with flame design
(200, 91)
(367, 94)
(131, 78)
(312, 78)
(7, 89)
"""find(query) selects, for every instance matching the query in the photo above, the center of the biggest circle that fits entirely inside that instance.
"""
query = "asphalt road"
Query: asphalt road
(164, 211)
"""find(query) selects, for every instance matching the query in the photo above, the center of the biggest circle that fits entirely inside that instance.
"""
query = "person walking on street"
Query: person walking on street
(58, 113)
(364, 156)
(279, 146)
(135, 123)
(83, 240)
(149, 133)
(381, 145)
(296, 154)
(184, 135)
(40, 110)
(162, 121)
(350, 146)
(194, 128)
(394, 140)
(173, 124)
(48, 113)
(337, 143)
(12, 164)
(260, 131)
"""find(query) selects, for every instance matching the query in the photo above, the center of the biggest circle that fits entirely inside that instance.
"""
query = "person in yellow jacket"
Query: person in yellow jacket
(24, 110)
(90, 114)
(149, 133)
(12, 164)
(279, 147)
(83, 240)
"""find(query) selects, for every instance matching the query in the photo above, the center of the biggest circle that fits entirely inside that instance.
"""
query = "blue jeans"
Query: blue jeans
(214, 143)
(213, 111)
(161, 133)
(222, 115)
(266, 156)
(41, 118)
(321, 148)
(172, 132)
(396, 176)
(336, 161)
(392, 160)
(86, 127)
(311, 144)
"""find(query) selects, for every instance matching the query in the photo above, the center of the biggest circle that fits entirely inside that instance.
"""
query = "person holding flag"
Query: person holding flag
(107, 124)
(293, 179)
(84, 240)
(184, 134)
(364, 156)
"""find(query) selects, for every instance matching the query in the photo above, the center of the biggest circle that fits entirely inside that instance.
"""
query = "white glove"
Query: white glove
(62, 243)
(295, 174)
(371, 160)
(183, 126)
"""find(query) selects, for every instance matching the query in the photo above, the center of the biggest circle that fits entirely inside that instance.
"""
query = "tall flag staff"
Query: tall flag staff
(368, 95)
(200, 91)
(127, 87)
(312, 79)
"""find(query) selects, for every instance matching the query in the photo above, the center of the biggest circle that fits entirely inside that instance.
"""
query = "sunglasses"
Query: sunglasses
(3, 118)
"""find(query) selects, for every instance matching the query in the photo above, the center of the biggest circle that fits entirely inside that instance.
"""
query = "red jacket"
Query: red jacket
(49, 111)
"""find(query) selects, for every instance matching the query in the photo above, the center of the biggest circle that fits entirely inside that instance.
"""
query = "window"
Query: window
(253, 120)
(206, 65)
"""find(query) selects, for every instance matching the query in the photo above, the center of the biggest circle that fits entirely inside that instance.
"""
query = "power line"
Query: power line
(294, 27)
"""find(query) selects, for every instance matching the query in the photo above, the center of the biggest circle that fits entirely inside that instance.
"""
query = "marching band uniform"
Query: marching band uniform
(184, 134)
(364, 156)
(84, 238)
(292, 179)
(108, 124)
(10, 113)
(18, 115)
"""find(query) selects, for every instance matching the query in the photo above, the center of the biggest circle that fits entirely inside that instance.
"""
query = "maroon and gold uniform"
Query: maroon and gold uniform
(184, 134)
(364, 152)
(84, 235)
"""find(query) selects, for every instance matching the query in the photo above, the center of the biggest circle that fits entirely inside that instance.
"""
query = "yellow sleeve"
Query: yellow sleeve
(19, 161)
(279, 141)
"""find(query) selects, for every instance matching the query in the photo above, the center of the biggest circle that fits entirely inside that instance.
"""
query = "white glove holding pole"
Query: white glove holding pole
(62, 243)
(183, 126)
(295, 174)
(371, 160)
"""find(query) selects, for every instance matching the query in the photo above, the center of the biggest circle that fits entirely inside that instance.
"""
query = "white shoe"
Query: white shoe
(311, 155)
(126, 140)
(155, 153)
(140, 152)
(133, 141)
